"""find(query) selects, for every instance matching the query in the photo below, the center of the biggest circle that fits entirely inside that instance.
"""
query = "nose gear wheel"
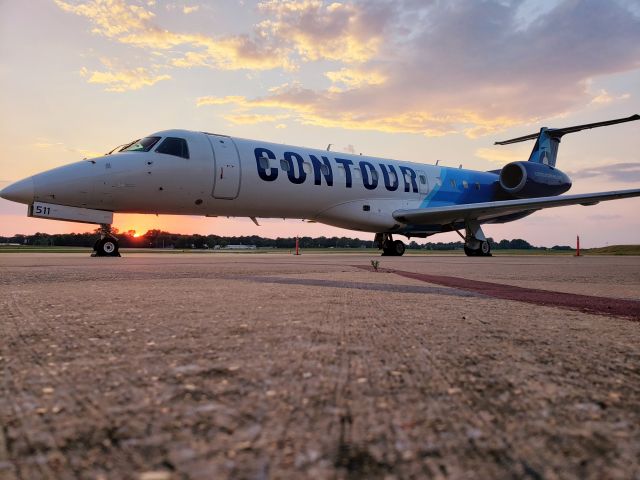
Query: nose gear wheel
(107, 245)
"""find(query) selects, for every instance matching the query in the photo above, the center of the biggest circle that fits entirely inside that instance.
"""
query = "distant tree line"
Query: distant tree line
(160, 239)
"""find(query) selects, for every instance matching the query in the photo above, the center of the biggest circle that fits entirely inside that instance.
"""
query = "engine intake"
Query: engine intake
(529, 179)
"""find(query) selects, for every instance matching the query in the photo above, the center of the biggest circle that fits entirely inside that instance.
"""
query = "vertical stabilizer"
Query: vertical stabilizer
(545, 150)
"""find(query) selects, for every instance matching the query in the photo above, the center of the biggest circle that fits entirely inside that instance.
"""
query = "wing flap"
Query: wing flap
(489, 210)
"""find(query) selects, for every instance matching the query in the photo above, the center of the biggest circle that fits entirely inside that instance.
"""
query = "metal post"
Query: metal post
(297, 246)
(577, 245)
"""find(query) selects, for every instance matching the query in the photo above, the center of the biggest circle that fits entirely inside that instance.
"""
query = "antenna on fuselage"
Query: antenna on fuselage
(437, 162)
(329, 147)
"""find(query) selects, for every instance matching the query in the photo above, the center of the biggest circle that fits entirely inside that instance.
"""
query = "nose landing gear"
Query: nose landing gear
(107, 245)
(389, 247)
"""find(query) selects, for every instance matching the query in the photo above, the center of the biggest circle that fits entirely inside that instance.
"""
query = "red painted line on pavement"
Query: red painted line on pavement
(585, 303)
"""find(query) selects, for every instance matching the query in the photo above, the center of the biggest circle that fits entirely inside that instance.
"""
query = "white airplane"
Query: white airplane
(196, 173)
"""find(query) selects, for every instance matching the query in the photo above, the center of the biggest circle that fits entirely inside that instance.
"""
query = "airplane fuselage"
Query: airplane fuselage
(226, 176)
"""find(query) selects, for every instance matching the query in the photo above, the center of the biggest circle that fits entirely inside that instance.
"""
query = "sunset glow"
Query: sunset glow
(417, 81)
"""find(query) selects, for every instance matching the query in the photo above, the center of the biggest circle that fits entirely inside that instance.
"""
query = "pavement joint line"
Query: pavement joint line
(617, 307)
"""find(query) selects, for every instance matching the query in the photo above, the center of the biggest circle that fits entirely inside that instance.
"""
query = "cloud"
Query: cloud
(231, 53)
(325, 109)
(424, 67)
(347, 32)
(123, 80)
(617, 172)
(133, 25)
(474, 58)
(111, 18)
(502, 155)
(356, 78)
(220, 100)
(444, 67)
(190, 9)
(603, 97)
(307, 30)
(253, 118)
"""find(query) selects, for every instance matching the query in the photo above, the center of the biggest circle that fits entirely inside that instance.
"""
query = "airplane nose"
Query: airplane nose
(21, 191)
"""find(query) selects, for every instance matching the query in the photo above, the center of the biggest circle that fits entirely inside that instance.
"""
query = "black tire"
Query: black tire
(107, 247)
(470, 252)
(398, 248)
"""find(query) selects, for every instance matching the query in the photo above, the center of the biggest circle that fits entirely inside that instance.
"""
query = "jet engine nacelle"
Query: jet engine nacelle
(529, 179)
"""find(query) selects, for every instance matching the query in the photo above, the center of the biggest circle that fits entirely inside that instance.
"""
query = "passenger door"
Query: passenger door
(227, 167)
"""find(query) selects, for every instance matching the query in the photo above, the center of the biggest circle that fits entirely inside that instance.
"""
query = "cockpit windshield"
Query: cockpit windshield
(119, 148)
(143, 145)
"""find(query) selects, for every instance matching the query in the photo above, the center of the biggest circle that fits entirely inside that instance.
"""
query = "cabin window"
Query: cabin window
(477, 186)
(264, 163)
(423, 180)
(143, 145)
(284, 165)
(324, 169)
(453, 183)
(465, 184)
(306, 166)
(174, 146)
(366, 208)
(374, 175)
(356, 173)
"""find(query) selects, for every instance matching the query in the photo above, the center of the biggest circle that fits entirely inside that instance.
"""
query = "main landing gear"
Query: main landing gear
(107, 245)
(389, 247)
(475, 243)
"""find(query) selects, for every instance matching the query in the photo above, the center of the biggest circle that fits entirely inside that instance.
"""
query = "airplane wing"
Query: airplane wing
(489, 210)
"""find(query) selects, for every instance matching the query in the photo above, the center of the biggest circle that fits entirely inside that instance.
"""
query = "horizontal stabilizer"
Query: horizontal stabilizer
(559, 132)
(489, 210)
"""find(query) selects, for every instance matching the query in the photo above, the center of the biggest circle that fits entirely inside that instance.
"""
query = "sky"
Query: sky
(416, 80)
